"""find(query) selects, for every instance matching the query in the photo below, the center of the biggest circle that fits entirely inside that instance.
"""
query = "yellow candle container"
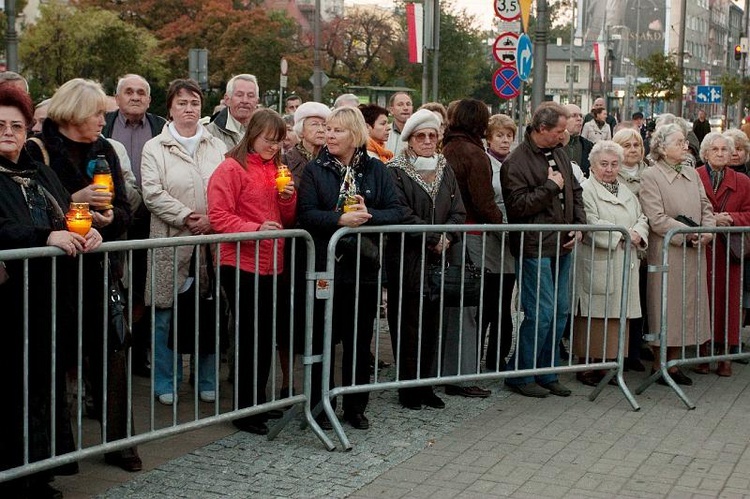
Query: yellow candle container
(78, 218)
(283, 177)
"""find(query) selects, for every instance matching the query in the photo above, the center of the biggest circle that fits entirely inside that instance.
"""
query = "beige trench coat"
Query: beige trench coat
(664, 195)
(600, 269)
(174, 186)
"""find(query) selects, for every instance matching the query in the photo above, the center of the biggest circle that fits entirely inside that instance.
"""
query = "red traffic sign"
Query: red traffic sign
(506, 83)
(507, 10)
(504, 48)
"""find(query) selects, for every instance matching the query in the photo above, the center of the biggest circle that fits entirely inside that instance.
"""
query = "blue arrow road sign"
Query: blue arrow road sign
(523, 57)
(708, 94)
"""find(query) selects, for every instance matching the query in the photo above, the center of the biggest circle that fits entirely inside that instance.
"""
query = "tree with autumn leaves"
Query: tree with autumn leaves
(103, 39)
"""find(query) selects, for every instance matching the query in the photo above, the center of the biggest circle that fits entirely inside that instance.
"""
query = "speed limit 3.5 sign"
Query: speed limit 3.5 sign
(508, 10)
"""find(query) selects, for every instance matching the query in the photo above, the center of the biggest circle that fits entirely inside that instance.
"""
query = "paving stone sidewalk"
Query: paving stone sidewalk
(503, 446)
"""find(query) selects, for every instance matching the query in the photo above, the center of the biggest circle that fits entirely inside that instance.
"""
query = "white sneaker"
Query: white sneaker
(208, 396)
(167, 398)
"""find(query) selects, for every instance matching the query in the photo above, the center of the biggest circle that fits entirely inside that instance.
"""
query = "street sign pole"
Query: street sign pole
(540, 54)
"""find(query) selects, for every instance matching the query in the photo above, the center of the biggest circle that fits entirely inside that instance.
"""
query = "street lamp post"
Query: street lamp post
(540, 54)
(317, 80)
(11, 37)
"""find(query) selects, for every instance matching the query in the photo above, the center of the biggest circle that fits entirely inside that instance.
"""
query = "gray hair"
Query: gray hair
(121, 83)
(244, 77)
(13, 76)
(709, 140)
(606, 147)
(44, 103)
(548, 115)
(669, 119)
(350, 100)
(659, 139)
(739, 138)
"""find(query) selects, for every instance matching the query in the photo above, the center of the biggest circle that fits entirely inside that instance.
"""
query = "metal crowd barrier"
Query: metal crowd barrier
(692, 264)
(140, 400)
(460, 337)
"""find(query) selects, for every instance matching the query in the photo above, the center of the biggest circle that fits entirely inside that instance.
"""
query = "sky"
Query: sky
(482, 9)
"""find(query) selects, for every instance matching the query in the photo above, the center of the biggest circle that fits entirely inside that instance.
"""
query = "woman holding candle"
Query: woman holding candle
(341, 173)
(32, 206)
(245, 195)
(175, 169)
(72, 141)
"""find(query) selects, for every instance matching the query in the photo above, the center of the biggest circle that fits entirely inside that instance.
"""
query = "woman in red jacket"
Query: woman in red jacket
(243, 197)
(729, 194)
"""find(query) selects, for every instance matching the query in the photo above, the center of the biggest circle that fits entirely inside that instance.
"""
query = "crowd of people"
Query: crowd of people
(356, 165)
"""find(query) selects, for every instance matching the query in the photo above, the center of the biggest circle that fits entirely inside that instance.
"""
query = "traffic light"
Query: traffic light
(738, 52)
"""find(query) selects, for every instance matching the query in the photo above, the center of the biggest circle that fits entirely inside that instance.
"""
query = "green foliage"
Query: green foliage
(734, 88)
(68, 42)
(664, 76)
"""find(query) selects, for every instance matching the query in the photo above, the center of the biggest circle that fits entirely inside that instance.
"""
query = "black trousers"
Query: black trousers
(498, 331)
(254, 365)
(345, 304)
(412, 344)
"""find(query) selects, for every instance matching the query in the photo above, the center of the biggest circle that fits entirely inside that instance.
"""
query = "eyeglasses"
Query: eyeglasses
(16, 128)
(315, 124)
(422, 137)
(271, 142)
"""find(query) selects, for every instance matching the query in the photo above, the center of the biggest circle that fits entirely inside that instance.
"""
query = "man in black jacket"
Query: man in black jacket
(133, 126)
(578, 148)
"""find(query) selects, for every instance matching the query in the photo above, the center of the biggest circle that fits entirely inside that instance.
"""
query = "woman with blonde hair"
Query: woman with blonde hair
(70, 140)
(344, 175)
(631, 170)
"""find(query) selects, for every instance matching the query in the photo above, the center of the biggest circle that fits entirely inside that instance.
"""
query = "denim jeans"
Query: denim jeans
(541, 325)
(164, 358)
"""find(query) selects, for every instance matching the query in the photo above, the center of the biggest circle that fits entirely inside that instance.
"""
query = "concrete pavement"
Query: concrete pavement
(503, 446)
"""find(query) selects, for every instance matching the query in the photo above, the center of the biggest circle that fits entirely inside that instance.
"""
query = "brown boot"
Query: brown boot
(725, 369)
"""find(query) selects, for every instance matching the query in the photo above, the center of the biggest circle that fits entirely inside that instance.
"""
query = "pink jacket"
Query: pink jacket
(240, 200)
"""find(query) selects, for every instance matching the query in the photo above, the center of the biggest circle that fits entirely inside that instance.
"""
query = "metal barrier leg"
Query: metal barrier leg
(617, 374)
(664, 373)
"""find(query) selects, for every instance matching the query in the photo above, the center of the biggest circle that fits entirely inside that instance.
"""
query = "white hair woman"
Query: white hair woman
(607, 202)
(670, 189)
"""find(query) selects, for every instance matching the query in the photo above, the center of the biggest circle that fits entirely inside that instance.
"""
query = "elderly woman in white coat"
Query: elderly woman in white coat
(670, 189)
(175, 169)
(599, 276)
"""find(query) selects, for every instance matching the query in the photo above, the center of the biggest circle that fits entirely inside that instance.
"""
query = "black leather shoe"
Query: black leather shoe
(251, 426)
(589, 378)
(680, 378)
(410, 402)
(357, 420)
(431, 400)
(323, 422)
(126, 459)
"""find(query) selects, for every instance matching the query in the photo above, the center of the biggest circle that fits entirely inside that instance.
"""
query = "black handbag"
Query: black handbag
(120, 333)
(451, 281)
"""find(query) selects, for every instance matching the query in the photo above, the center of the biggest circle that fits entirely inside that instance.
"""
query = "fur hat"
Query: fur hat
(309, 109)
(424, 118)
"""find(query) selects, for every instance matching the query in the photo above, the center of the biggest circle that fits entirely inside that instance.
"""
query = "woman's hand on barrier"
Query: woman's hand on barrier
(270, 225)
(288, 191)
(635, 238)
(70, 242)
(723, 219)
(93, 240)
(198, 224)
(96, 195)
(102, 218)
(575, 238)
